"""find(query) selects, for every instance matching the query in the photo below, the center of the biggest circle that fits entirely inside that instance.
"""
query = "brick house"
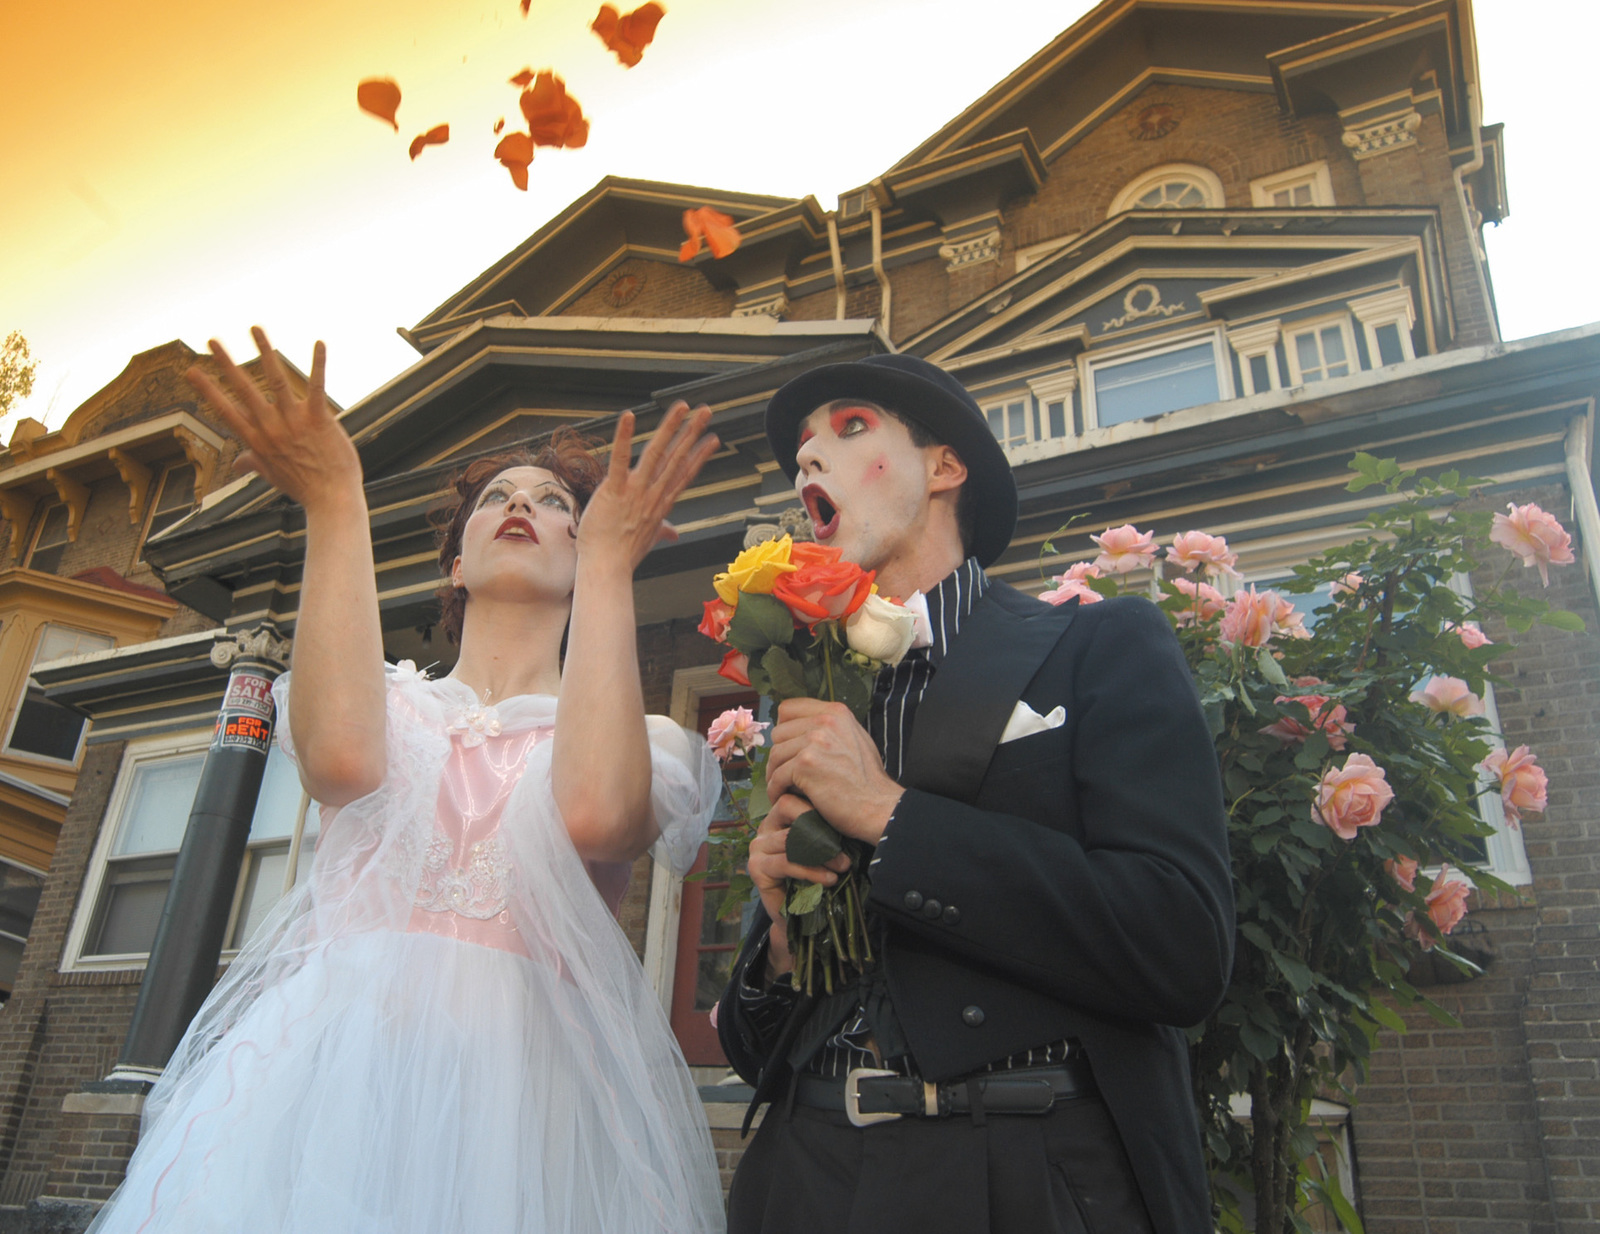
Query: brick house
(1189, 257)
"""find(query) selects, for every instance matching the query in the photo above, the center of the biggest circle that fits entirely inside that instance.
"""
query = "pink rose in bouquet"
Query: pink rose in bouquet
(1352, 796)
(735, 733)
(1535, 536)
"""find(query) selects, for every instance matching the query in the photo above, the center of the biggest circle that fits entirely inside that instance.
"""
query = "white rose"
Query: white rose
(881, 630)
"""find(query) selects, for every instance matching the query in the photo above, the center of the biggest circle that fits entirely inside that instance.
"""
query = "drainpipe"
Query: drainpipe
(884, 291)
(838, 266)
(1581, 482)
(1475, 123)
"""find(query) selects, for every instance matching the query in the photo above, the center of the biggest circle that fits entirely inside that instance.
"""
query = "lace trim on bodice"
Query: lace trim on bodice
(478, 889)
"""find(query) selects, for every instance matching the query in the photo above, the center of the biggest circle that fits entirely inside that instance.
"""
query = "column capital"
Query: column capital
(261, 642)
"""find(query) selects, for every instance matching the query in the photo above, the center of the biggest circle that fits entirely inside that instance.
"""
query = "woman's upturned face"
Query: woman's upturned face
(520, 542)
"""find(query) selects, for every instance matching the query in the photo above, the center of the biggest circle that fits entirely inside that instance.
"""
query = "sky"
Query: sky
(178, 169)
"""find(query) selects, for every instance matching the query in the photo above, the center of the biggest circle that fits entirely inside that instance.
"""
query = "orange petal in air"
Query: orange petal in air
(720, 234)
(515, 152)
(525, 6)
(554, 118)
(498, 125)
(380, 96)
(628, 36)
(436, 136)
(523, 79)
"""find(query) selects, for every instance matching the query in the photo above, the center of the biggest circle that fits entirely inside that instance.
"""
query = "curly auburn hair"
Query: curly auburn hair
(569, 457)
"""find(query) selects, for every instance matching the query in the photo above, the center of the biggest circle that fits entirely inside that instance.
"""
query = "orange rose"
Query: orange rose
(714, 624)
(735, 667)
(823, 590)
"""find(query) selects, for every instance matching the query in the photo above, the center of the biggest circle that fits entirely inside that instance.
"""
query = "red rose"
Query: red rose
(735, 667)
(715, 622)
(824, 590)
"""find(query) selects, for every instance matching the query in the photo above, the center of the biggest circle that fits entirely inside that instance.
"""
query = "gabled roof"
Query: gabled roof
(1120, 46)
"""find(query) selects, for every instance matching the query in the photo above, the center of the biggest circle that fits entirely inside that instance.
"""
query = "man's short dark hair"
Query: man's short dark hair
(966, 506)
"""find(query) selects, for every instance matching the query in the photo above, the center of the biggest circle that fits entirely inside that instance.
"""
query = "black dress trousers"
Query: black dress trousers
(1064, 1172)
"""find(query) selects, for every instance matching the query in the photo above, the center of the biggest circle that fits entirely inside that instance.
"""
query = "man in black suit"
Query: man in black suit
(1051, 891)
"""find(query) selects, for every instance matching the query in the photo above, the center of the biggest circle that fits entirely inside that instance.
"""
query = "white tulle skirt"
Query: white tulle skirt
(405, 1083)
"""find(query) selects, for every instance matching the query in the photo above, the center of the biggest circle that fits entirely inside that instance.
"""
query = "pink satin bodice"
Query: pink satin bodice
(468, 871)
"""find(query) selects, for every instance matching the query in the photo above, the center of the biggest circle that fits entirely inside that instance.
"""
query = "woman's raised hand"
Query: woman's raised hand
(627, 514)
(292, 442)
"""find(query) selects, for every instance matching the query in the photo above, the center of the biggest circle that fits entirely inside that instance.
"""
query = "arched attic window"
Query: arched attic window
(1172, 186)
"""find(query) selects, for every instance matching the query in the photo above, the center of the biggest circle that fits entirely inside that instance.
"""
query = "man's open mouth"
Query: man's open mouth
(517, 529)
(824, 514)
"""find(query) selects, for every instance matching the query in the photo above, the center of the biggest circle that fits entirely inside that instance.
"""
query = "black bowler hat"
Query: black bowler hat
(915, 390)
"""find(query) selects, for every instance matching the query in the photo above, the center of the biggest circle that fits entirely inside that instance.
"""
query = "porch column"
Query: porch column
(189, 938)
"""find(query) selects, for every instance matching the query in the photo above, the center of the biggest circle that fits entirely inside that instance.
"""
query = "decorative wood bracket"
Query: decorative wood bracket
(74, 496)
(18, 511)
(137, 477)
(202, 454)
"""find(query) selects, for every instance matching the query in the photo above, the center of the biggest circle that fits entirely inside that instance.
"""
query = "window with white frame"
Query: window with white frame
(174, 499)
(1309, 185)
(20, 887)
(51, 540)
(1387, 319)
(1256, 345)
(143, 830)
(1008, 421)
(1043, 415)
(1172, 186)
(41, 727)
(1320, 351)
(1153, 382)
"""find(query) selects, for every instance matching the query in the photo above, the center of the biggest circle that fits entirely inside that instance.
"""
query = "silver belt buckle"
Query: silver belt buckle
(852, 1097)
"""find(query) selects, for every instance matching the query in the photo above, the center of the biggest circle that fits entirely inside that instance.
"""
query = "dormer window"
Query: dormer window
(1309, 185)
(1321, 351)
(50, 544)
(1172, 186)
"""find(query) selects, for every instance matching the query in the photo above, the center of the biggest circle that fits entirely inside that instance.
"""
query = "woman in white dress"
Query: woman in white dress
(445, 1030)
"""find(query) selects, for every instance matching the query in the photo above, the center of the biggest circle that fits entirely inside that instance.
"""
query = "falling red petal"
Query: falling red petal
(554, 118)
(515, 152)
(628, 36)
(523, 78)
(380, 96)
(498, 125)
(718, 230)
(436, 136)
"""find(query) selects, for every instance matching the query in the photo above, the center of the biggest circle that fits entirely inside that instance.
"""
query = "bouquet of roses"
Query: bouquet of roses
(799, 622)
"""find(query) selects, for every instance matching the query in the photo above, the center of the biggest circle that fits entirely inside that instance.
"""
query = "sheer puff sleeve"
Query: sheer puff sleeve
(685, 786)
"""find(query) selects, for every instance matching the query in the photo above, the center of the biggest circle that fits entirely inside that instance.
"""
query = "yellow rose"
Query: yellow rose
(755, 570)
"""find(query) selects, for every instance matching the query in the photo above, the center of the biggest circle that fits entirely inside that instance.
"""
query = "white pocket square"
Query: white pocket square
(1025, 721)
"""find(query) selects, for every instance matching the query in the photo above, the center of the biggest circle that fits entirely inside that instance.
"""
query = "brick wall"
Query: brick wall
(1496, 1125)
(668, 291)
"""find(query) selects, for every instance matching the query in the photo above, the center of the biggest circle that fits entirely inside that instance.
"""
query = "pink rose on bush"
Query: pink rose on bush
(1247, 620)
(1070, 588)
(1326, 715)
(1470, 635)
(1523, 783)
(1288, 621)
(1349, 585)
(1195, 549)
(735, 733)
(1447, 905)
(1448, 696)
(1079, 572)
(1536, 537)
(1404, 872)
(1205, 601)
(1352, 796)
(1124, 549)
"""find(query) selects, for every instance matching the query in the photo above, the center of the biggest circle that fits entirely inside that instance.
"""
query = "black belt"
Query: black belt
(869, 1095)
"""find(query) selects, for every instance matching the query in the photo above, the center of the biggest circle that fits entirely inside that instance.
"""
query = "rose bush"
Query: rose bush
(1354, 752)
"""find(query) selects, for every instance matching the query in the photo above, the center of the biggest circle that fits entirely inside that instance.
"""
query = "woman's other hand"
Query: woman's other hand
(291, 441)
(626, 515)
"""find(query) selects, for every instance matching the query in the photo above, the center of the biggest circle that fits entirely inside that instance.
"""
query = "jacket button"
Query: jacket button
(913, 900)
(972, 1016)
(932, 909)
(952, 915)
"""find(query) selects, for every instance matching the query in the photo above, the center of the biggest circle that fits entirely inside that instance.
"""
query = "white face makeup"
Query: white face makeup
(520, 539)
(863, 481)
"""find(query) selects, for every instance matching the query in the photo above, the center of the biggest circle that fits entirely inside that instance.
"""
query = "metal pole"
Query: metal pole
(189, 938)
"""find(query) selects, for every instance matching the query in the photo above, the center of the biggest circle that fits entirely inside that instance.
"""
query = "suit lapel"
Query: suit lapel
(960, 719)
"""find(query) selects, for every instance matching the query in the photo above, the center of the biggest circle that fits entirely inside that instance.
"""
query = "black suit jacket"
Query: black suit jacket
(1088, 865)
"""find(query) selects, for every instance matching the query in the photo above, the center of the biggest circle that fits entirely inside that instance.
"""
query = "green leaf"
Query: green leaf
(812, 842)
(759, 802)
(1258, 1041)
(1342, 1208)
(787, 677)
(1563, 620)
(758, 623)
(1256, 935)
(1294, 972)
(1270, 668)
(805, 898)
(1438, 1013)
(1387, 1016)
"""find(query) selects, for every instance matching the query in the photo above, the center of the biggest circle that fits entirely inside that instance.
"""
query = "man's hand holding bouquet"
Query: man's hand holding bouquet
(800, 623)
